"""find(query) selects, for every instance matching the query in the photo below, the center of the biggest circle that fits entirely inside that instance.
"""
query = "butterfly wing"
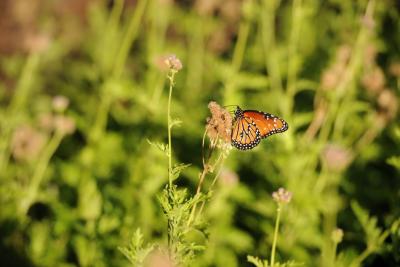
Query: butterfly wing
(245, 134)
(266, 123)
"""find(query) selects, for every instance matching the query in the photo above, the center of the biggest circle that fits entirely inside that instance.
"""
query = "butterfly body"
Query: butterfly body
(250, 126)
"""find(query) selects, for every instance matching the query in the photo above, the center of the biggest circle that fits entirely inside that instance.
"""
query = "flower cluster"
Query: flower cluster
(219, 126)
(173, 63)
(58, 122)
(282, 196)
(27, 143)
(336, 157)
(332, 76)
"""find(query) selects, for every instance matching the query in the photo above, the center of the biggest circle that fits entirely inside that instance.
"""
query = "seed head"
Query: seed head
(343, 54)
(173, 63)
(64, 124)
(370, 55)
(27, 143)
(395, 69)
(60, 103)
(337, 235)
(219, 126)
(374, 81)
(388, 104)
(159, 258)
(282, 196)
(228, 177)
(37, 43)
(336, 157)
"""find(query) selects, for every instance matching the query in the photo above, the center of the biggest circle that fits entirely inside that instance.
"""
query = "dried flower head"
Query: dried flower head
(368, 22)
(337, 235)
(228, 177)
(282, 196)
(230, 10)
(374, 81)
(46, 122)
(336, 157)
(64, 124)
(394, 69)
(173, 63)
(206, 7)
(220, 40)
(60, 103)
(370, 55)
(388, 103)
(219, 126)
(159, 258)
(343, 54)
(332, 76)
(37, 43)
(329, 79)
(27, 143)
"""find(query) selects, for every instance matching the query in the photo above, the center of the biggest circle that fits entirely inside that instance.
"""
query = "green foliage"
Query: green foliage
(374, 236)
(177, 207)
(264, 263)
(136, 252)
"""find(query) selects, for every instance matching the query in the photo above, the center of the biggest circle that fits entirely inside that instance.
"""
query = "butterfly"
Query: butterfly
(250, 126)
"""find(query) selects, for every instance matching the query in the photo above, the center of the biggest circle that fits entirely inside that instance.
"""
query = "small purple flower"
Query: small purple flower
(282, 196)
(173, 63)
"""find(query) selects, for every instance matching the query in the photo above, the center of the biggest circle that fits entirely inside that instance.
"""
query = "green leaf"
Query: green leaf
(369, 224)
(257, 261)
(175, 122)
(136, 252)
(176, 170)
(161, 146)
(394, 161)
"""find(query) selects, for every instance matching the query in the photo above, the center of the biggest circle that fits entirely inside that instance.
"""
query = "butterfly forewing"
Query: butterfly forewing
(266, 123)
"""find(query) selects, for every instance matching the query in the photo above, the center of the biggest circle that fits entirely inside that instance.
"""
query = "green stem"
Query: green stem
(40, 171)
(357, 262)
(129, 37)
(237, 60)
(278, 217)
(170, 189)
(171, 86)
(267, 21)
(292, 60)
(337, 114)
(20, 97)
(334, 249)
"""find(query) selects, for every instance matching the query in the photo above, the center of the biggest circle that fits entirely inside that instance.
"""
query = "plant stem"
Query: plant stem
(171, 86)
(278, 217)
(40, 171)
(21, 95)
(267, 23)
(170, 77)
(292, 56)
(129, 36)
(357, 261)
(334, 249)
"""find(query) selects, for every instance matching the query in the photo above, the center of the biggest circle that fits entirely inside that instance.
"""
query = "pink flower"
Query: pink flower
(282, 196)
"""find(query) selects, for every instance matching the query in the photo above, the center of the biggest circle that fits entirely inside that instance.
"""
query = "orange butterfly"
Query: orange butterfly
(250, 126)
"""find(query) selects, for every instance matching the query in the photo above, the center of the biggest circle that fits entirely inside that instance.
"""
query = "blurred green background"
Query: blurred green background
(82, 88)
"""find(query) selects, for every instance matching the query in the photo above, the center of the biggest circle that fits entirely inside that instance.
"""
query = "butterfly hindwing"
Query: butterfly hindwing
(245, 134)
